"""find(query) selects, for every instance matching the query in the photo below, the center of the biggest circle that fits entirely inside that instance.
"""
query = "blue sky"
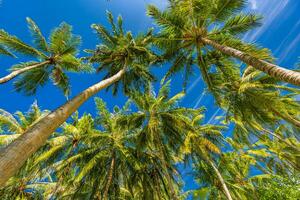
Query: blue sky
(280, 33)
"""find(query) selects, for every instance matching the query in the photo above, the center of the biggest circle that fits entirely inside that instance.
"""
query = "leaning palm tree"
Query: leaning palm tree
(122, 54)
(191, 28)
(256, 103)
(163, 125)
(106, 161)
(53, 58)
(12, 127)
(26, 183)
(101, 157)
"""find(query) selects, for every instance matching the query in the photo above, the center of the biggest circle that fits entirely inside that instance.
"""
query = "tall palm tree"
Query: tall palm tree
(191, 28)
(163, 125)
(106, 161)
(53, 58)
(236, 164)
(26, 183)
(104, 157)
(256, 103)
(200, 145)
(12, 127)
(128, 56)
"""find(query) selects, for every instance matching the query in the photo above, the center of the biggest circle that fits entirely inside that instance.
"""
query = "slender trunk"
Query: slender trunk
(14, 155)
(275, 71)
(109, 177)
(164, 163)
(287, 118)
(226, 191)
(20, 71)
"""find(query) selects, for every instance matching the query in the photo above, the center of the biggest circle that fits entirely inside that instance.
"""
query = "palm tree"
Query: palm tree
(54, 58)
(128, 56)
(255, 102)
(201, 144)
(192, 28)
(11, 127)
(63, 145)
(106, 161)
(26, 183)
(236, 164)
(163, 125)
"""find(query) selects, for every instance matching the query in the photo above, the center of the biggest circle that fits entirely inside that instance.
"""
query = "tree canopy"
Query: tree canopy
(143, 148)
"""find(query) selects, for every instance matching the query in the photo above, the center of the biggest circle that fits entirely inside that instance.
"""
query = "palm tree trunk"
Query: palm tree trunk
(20, 71)
(109, 177)
(226, 191)
(275, 71)
(164, 163)
(14, 155)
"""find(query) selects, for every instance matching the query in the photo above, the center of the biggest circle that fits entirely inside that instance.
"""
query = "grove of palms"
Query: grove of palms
(140, 150)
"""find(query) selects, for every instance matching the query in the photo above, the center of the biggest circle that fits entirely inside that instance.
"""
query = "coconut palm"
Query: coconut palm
(254, 99)
(12, 127)
(61, 146)
(283, 150)
(148, 180)
(256, 103)
(163, 126)
(192, 28)
(235, 171)
(235, 166)
(102, 157)
(53, 58)
(26, 183)
(121, 53)
(106, 161)
(201, 144)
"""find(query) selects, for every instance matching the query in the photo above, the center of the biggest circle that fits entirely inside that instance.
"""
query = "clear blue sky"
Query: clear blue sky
(280, 33)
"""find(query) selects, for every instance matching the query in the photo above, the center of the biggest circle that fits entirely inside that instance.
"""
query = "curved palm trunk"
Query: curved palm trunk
(226, 191)
(109, 178)
(14, 155)
(275, 71)
(20, 71)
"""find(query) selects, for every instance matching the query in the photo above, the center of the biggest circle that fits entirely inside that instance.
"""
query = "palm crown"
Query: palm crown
(191, 29)
(121, 50)
(54, 58)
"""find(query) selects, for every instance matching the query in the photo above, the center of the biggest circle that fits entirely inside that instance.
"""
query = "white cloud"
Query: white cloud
(253, 4)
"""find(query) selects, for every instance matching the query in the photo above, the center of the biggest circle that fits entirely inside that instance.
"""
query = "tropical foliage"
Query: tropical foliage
(143, 149)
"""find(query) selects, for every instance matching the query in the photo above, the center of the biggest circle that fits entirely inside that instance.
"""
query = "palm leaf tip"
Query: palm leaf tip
(38, 39)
